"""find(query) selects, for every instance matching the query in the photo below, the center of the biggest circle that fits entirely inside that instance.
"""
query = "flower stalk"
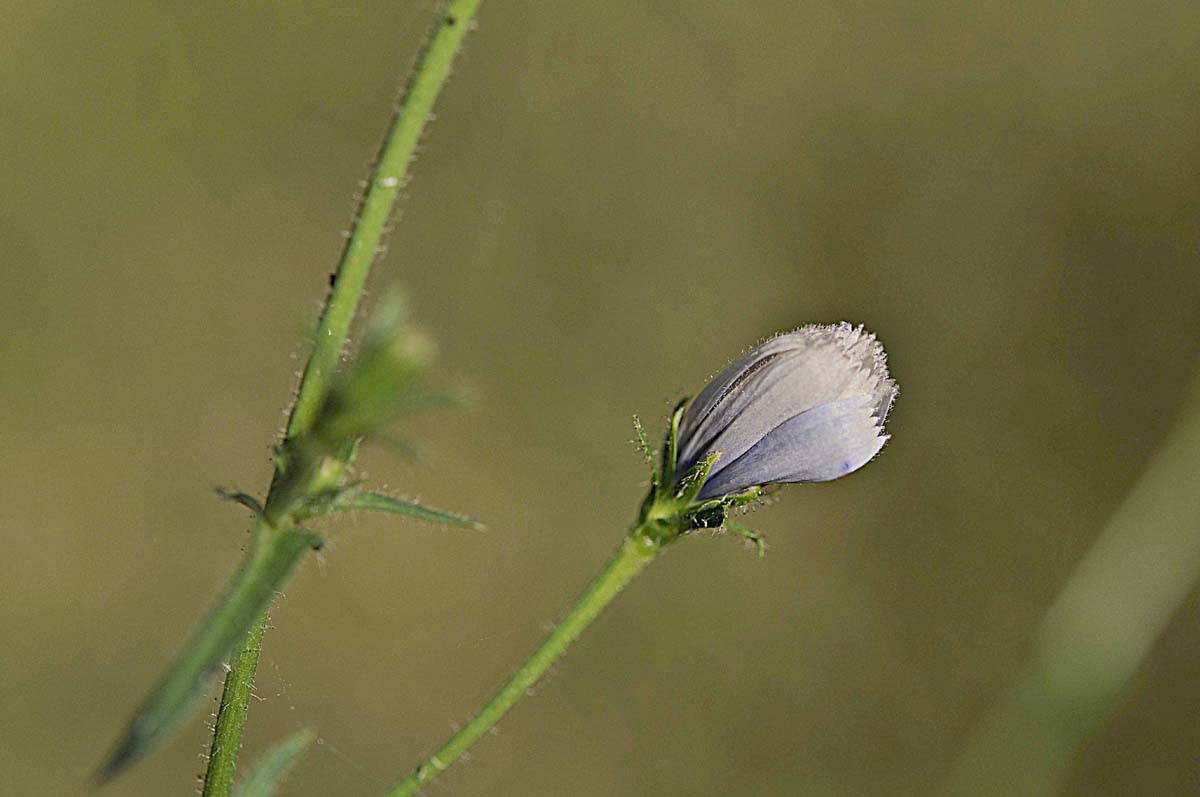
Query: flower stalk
(805, 406)
(636, 551)
(668, 514)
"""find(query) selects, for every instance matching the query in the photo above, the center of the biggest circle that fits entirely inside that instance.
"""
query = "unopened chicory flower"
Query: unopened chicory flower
(805, 406)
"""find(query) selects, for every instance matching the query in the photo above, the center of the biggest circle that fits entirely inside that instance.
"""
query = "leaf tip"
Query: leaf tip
(130, 749)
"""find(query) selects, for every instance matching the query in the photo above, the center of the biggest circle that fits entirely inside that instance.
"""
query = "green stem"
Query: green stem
(391, 167)
(637, 551)
(231, 716)
(278, 541)
(361, 250)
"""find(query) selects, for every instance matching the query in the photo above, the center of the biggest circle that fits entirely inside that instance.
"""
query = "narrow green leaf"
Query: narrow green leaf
(271, 558)
(268, 773)
(366, 501)
(693, 481)
(401, 446)
(238, 497)
(748, 534)
(751, 495)
(671, 445)
(644, 443)
(430, 400)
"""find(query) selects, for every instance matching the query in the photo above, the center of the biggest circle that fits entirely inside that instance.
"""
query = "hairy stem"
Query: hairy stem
(387, 179)
(231, 716)
(636, 551)
(361, 250)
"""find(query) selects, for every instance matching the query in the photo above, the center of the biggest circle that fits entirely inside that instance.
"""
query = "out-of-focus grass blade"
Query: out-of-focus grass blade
(268, 773)
(366, 501)
(1098, 631)
(272, 557)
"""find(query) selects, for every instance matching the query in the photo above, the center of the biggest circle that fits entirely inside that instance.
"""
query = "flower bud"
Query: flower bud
(806, 406)
(372, 387)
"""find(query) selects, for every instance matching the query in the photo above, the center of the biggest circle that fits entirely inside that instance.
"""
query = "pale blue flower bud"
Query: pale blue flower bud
(806, 406)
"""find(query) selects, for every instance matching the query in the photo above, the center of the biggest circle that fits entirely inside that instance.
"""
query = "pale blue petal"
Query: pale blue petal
(696, 439)
(697, 419)
(784, 377)
(806, 380)
(818, 445)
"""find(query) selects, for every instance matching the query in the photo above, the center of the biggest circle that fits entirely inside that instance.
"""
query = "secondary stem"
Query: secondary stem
(361, 250)
(636, 551)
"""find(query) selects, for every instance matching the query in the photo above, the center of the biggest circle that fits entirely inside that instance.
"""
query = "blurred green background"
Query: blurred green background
(615, 199)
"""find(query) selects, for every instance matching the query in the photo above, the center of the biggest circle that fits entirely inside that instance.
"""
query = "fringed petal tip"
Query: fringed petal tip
(864, 351)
